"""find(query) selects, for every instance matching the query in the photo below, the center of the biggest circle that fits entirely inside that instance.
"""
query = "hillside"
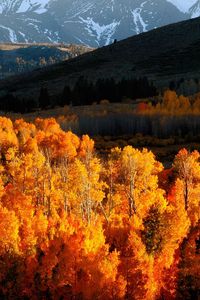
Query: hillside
(170, 53)
(20, 58)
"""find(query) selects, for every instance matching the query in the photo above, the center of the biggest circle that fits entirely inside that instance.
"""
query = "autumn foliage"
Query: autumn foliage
(172, 104)
(74, 226)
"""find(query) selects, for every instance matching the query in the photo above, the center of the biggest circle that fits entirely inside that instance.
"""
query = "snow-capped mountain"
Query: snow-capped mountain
(91, 22)
(195, 9)
(22, 6)
(183, 5)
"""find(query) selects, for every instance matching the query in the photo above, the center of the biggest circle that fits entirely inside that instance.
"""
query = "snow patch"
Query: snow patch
(24, 36)
(82, 42)
(137, 19)
(100, 31)
(12, 35)
(38, 6)
(33, 20)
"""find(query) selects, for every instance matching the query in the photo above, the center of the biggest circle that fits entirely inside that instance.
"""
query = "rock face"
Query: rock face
(91, 22)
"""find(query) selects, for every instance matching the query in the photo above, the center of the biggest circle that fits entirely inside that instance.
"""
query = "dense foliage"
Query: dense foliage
(74, 226)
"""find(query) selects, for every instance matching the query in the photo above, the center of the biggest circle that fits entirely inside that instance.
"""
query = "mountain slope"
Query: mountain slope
(91, 22)
(164, 54)
(183, 5)
(195, 9)
(22, 6)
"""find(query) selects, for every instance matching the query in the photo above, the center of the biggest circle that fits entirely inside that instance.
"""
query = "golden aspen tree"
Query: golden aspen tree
(170, 101)
(9, 228)
(138, 176)
(7, 135)
(187, 167)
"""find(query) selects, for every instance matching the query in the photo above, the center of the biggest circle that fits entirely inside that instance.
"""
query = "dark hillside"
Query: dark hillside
(168, 55)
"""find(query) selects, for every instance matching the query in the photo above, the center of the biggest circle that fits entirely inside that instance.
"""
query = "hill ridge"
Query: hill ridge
(164, 54)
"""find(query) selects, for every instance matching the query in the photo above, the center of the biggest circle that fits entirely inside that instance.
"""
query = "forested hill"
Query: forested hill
(168, 55)
(23, 57)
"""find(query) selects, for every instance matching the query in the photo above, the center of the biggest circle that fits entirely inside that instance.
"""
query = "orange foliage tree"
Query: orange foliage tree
(76, 226)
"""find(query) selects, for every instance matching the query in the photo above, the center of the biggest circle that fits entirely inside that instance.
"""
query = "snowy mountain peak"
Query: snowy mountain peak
(22, 6)
(183, 5)
(39, 6)
(91, 22)
(195, 9)
(191, 7)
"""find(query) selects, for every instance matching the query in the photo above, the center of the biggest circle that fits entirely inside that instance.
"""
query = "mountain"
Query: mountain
(195, 9)
(183, 5)
(163, 55)
(91, 22)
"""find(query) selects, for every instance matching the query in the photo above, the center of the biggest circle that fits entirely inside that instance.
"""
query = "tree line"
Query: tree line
(84, 92)
(167, 116)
